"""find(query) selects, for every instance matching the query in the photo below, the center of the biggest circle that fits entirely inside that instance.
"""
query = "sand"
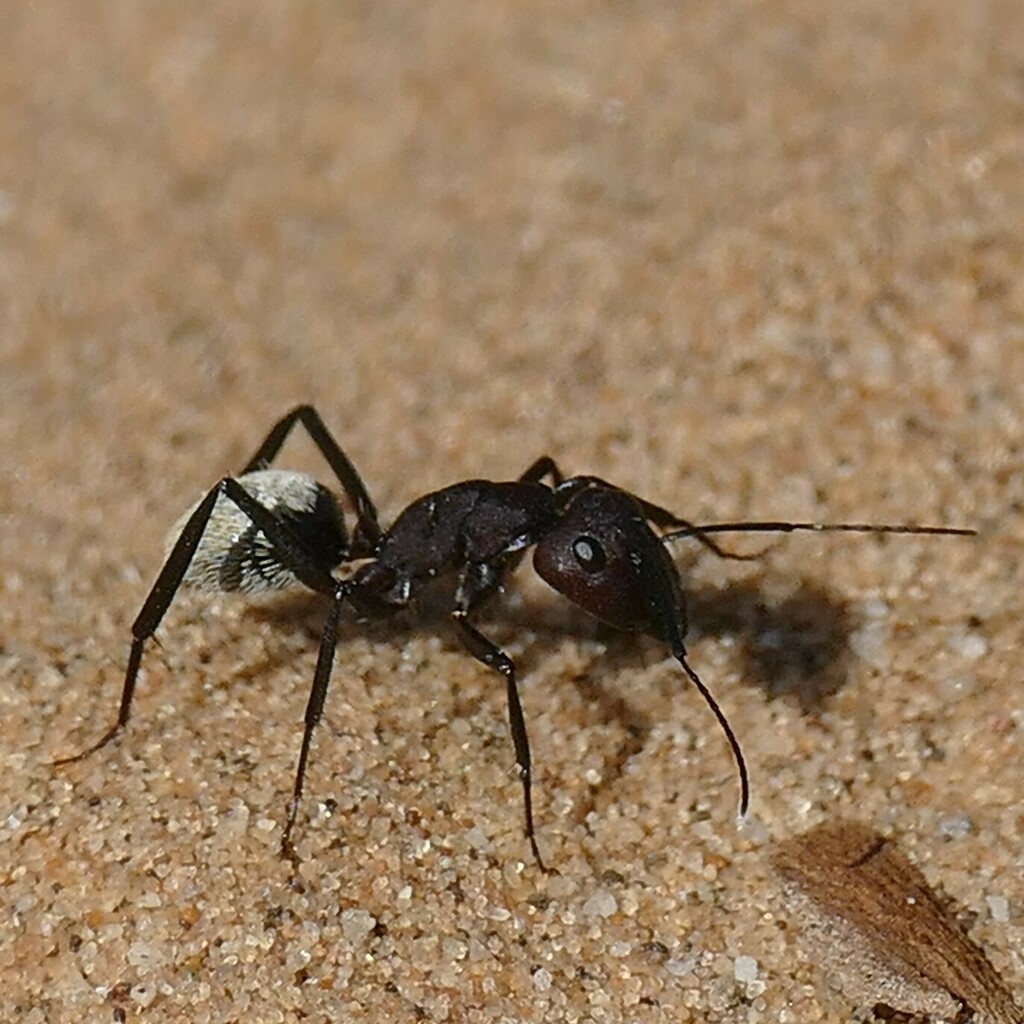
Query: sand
(746, 260)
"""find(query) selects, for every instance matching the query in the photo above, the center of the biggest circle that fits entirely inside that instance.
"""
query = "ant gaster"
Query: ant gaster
(593, 542)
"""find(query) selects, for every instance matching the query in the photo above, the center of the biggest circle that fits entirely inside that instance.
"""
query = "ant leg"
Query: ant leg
(314, 709)
(493, 657)
(290, 548)
(152, 611)
(295, 556)
(544, 466)
(368, 530)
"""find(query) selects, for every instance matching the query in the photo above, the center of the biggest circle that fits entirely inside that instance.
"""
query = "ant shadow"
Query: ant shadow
(798, 648)
(795, 649)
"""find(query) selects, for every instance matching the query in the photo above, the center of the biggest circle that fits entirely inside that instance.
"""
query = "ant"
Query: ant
(593, 542)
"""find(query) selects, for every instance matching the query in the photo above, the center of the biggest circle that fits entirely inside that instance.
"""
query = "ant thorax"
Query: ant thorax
(234, 555)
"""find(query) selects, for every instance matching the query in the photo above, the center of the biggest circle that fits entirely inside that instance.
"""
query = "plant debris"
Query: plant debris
(870, 917)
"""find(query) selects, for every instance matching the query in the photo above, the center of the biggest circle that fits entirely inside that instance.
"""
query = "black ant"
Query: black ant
(593, 542)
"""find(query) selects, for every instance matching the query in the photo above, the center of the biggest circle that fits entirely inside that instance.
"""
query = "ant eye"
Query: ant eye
(589, 554)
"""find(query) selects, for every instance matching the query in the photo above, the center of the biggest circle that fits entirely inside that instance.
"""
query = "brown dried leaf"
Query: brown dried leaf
(872, 919)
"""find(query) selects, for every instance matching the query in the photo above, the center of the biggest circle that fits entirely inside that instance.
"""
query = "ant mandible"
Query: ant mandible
(593, 542)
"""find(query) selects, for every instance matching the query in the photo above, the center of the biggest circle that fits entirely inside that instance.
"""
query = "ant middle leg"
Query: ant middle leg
(493, 657)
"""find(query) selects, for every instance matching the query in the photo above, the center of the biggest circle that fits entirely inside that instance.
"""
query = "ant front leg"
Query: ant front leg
(470, 592)
(367, 531)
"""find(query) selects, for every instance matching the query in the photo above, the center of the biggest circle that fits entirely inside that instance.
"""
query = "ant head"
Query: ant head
(604, 557)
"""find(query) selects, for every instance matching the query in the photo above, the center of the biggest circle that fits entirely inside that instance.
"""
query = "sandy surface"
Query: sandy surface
(744, 259)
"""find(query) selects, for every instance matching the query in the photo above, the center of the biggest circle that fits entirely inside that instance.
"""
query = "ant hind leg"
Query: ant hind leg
(293, 555)
(368, 530)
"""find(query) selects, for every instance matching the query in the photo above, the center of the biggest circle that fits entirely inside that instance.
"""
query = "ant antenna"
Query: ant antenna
(734, 743)
(699, 533)
(783, 527)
